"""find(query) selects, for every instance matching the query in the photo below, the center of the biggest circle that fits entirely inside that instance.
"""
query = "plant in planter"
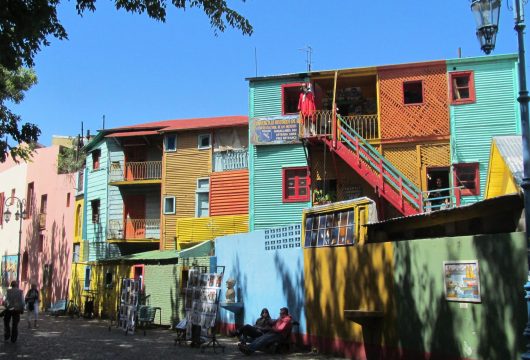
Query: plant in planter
(320, 197)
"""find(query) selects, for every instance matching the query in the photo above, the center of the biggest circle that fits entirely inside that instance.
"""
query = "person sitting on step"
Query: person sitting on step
(263, 325)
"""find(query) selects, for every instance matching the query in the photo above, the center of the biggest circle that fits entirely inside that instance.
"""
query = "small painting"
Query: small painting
(462, 281)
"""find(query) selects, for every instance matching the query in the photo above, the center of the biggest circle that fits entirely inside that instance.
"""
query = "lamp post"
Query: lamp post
(19, 216)
(487, 17)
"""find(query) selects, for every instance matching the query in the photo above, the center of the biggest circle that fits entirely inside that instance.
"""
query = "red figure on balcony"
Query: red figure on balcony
(307, 108)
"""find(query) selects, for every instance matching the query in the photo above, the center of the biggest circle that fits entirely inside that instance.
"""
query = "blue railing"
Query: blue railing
(230, 160)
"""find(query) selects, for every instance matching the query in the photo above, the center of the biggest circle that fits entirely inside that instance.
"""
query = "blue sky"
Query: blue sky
(133, 69)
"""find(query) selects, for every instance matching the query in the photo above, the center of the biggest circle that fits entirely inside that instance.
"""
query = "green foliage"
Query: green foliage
(71, 159)
(320, 197)
(19, 141)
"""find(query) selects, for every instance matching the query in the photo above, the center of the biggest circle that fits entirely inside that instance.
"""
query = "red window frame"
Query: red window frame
(422, 92)
(296, 197)
(471, 85)
(96, 154)
(476, 181)
(285, 86)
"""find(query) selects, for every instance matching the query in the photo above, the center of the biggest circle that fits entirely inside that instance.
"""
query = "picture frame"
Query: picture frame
(462, 281)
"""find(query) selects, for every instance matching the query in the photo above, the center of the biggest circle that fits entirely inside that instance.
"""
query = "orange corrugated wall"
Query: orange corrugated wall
(402, 121)
(229, 193)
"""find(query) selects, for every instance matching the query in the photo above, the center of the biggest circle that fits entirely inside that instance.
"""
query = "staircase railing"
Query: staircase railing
(385, 171)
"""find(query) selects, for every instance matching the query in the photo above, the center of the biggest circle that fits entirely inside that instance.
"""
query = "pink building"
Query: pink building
(47, 234)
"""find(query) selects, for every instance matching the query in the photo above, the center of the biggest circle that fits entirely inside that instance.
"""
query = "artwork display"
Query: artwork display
(202, 299)
(9, 269)
(462, 281)
(130, 292)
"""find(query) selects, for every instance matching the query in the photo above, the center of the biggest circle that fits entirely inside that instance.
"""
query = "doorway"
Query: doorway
(435, 173)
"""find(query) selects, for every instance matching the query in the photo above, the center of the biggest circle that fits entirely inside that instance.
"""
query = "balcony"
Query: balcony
(146, 172)
(230, 160)
(134, 230)
(321, 123)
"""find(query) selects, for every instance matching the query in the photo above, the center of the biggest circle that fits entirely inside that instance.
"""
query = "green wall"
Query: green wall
(428, 323)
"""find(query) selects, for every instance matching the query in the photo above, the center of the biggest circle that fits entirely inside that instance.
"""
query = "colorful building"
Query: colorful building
(505, 169)
(48, 228)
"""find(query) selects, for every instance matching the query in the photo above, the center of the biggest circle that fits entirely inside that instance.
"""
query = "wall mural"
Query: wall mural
(9, 269)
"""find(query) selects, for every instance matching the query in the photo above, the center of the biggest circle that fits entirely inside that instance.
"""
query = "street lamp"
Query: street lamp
(487, 17)
(19, 216)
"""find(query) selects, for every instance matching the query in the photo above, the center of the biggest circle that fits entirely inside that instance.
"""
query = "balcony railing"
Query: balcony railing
(321, 123)
(134, 229)
(136, 171)
(230, 160)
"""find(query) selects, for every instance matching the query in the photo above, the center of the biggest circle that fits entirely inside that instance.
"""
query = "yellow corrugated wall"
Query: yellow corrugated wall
(193, 230)
(181, 169)
(500, 179)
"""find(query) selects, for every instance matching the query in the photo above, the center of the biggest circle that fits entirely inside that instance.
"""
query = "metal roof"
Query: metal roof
(511, 150)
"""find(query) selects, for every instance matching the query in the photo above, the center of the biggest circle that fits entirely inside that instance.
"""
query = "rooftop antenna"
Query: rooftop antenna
(256, 60)
(309, 52)
(103, 122)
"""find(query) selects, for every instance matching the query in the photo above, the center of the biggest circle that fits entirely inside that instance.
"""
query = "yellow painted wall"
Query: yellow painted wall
(181, 169)
(349, 278)
(105, 299)
(190, 231)
(78, 220)
(500, 180)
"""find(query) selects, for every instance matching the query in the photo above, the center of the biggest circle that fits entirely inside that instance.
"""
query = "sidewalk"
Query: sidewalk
(65, 338)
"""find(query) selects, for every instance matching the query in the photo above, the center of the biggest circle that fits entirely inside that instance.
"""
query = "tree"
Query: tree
(27, 25)
(13, 84)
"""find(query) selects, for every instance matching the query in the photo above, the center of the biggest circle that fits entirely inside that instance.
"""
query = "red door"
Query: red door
(134, 217)
(133, 156)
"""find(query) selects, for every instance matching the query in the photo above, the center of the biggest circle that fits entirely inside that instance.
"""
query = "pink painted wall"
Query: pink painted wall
(54, 251)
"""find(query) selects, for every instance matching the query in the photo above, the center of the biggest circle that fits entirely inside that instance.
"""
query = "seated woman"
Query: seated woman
(263, 325)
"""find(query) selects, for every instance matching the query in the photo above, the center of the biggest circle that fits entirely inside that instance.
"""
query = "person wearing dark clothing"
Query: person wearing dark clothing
(281, 329)
(32, 302)
(14, 301)
(263, 325)
(439, 197)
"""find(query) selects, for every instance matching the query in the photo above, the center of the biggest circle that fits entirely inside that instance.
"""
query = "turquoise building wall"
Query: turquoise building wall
(495, 112)
(266, 208)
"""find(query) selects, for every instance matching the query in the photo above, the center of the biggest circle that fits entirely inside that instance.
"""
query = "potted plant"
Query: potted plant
(320, 197)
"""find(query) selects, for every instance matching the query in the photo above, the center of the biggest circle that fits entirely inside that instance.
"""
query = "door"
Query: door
(135, 167)
(134, 217)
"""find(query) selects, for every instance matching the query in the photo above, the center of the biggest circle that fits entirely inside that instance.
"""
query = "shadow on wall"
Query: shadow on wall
(429, 324)
(349, 278)
(292, 285)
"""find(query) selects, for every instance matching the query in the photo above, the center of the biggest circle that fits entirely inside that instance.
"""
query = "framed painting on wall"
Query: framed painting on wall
(462, 281)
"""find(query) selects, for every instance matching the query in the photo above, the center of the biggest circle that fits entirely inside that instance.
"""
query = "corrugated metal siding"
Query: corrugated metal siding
(229, 193)
(266, 97)
(495, 112)
(96, 189)
(181, 170)
(115, 200)
(192, 230)
(269, 209)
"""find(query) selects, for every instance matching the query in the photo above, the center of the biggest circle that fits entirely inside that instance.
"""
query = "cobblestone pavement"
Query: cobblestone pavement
(64, 338)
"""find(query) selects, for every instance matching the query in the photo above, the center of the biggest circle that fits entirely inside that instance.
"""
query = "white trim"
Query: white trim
(174, 205)
(199, 137)
(203, 190)
(165, 142)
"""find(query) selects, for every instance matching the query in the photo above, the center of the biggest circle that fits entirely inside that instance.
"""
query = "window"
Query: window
(77, 251)
(96, 154)
(329, 229)
(169, 204)
(202, 197)
(108, 280)
(95, 211)
(413, 92)
(462, 87)
(290, 97)
(41, 242)
(295, 184)
(170, 142)
(43, 203)
(29, 198)
(205, 141)
(88, 274)
(466, 176)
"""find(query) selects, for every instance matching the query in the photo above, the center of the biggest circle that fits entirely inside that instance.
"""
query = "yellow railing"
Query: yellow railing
(320, 123)
(134, 171)
(193, 230)
(134, 229)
